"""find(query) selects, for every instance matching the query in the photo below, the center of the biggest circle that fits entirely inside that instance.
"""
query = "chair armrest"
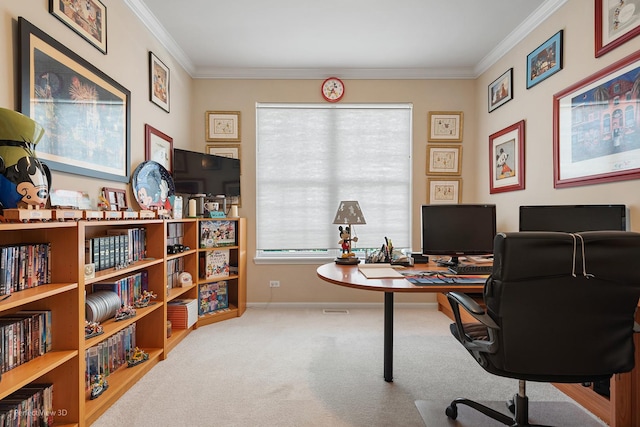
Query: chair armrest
(472, 307)
(457, 299)
(636, 327)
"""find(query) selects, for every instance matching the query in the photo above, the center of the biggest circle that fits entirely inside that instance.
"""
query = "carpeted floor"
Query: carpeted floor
(304, 367)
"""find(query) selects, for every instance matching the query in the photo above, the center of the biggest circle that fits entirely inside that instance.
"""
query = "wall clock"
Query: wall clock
(332, 89)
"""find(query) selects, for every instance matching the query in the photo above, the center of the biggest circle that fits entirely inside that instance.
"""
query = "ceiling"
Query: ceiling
(289, 39)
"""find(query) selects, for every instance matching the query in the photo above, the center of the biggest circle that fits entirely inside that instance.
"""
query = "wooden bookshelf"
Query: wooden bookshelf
(236, 282)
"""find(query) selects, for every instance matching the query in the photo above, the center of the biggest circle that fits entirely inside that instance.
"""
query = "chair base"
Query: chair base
(566, 414)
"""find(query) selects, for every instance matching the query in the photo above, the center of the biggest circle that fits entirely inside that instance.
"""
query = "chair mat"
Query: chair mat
(565, 414)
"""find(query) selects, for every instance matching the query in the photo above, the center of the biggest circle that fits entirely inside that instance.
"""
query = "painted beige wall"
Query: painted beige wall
(126, 62)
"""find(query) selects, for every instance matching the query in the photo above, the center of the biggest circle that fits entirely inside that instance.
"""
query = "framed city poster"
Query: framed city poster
(617, 22)
(596, 130)
(506, 159)
(85, 113)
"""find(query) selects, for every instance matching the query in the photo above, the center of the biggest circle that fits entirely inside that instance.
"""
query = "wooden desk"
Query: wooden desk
(351, 277)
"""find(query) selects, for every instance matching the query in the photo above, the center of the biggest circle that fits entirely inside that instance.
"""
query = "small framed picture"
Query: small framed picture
(501, 90)
(444, 159)
(222, 126)
(506, 159)
(545, 60)
(445, 126)
(89, 21)
(617, 22)
(158, 147)
(116, 199)
(232, 151)
(159, 82)
(444, 190)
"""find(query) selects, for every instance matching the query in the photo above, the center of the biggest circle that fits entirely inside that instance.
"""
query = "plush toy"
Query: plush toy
(24, 180)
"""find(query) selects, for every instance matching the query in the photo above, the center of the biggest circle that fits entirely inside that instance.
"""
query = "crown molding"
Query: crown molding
(545, 10)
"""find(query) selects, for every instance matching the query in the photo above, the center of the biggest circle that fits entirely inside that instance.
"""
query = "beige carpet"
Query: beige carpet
(304, 367)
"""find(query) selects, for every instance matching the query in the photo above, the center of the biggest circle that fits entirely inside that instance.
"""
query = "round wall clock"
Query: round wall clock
(333, 89)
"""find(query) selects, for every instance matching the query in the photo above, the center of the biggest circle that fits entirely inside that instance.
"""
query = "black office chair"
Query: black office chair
(559, 308)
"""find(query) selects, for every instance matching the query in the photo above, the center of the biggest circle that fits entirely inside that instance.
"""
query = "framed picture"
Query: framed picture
(444, 159)
(501, 90)
(222, 126)
(158, 147)
(617, 22)
(89, 20)
(444, 190)
(506, 159)
(596, 131)
(545, 61)
(159, 82)
(117, 199)
(445, 126)
(85, 113)
(232, 151)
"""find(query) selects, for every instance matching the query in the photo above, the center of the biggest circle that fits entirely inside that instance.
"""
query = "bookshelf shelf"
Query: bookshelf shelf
(65, 365)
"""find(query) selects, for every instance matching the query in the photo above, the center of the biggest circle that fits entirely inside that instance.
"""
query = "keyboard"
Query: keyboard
(471, 269)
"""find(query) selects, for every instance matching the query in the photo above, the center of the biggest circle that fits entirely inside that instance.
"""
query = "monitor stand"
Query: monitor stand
(451, 263)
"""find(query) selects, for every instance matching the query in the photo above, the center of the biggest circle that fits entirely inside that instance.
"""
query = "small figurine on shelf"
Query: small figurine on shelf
(137, 357)
(92, 329)
(125, 312)
(98, 386)
(144, 299)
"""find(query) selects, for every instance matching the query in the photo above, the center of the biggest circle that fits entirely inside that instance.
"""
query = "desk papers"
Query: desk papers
(379, 271)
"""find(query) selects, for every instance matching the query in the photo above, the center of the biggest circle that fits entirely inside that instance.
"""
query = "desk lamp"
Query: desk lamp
(348, 214)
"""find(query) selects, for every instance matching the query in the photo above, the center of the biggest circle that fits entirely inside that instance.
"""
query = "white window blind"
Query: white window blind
(312, 156)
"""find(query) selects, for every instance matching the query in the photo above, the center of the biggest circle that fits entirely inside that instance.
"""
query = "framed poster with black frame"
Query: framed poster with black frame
(85, 113)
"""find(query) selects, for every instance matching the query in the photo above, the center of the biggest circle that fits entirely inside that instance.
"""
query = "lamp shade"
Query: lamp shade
(349, 212)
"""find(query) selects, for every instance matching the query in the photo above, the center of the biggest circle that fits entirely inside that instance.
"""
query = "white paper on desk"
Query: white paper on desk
(379, 271)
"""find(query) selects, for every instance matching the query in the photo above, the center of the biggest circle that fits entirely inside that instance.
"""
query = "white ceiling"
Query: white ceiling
(347, 38)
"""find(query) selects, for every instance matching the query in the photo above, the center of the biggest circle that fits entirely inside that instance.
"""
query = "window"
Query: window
(312, 156)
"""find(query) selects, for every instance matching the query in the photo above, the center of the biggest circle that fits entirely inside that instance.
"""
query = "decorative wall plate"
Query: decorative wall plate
(152, 185)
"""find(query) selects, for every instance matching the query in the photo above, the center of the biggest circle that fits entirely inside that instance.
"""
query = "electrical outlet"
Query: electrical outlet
(274, 283)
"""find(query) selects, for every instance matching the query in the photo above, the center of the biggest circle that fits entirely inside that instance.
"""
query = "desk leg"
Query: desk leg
(388, 336)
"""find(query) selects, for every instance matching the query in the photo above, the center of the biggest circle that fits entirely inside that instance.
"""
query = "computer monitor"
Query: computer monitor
(573, 218)
(458, 230)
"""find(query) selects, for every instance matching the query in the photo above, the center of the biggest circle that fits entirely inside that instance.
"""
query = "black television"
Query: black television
(208, 174)
(458, 230)
(573, 218)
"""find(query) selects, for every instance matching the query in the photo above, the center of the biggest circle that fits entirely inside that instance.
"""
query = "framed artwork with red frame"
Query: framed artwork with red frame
(506, 159)
(616, 23)
(596, 127)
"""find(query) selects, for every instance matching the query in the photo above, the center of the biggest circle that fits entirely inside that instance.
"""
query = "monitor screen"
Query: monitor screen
(458, 230)
(201, 173)
(573, 218)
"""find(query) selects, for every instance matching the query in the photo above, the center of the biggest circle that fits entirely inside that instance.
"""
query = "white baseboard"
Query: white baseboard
(341, 305)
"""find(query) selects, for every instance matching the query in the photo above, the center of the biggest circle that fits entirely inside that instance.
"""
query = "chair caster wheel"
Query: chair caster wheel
(511, 406)
(452, 411)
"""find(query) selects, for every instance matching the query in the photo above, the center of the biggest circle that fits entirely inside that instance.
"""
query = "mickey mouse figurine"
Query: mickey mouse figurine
(345, 241)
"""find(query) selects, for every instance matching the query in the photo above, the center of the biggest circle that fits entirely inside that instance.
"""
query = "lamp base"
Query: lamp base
(348, 261)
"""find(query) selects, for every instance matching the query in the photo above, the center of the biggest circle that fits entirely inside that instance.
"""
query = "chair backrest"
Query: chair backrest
(565, 304)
